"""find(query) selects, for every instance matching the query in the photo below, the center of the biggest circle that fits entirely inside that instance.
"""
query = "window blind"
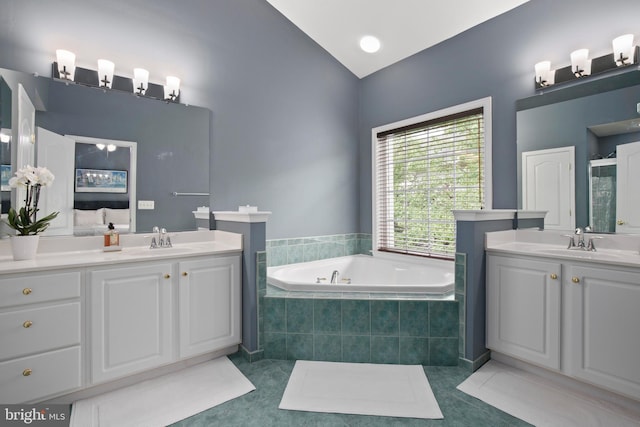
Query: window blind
(423, 172)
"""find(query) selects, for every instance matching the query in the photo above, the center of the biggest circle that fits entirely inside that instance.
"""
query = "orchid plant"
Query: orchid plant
(25, 221)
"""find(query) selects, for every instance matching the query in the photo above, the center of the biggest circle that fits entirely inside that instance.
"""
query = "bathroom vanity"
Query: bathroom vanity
(78, 317)
(572, 311)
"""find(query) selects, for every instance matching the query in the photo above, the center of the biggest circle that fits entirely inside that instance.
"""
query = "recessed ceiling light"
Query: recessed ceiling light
(370, 44)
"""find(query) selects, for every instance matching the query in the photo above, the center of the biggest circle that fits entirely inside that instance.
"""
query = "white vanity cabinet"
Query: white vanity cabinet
(40, 326)
(150, 314)
(523, 309)
(130, 315)
(579, 318)
(209, 304)
(603, 307)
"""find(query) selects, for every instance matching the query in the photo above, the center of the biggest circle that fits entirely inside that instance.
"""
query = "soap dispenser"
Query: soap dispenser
(111, 239)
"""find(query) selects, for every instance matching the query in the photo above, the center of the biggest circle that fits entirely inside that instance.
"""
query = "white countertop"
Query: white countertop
(77, 252)
(618, 250)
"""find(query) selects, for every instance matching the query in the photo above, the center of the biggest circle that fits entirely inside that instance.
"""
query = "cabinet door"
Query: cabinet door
(210, 294)
(130, 320)
(523, 309)
(604, 316)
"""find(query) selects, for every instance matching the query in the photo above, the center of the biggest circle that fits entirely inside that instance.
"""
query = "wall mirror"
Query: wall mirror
(172, 145)
(595, 119)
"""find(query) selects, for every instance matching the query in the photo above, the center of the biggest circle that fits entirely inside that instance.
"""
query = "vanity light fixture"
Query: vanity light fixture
(111, 148)
(100, 146)
(64, 68)
(140, 81)
(66, 64)
(545, 76)
(623, 50)
(172, 88)
(580, 63)
(625, 54)
(105, 73)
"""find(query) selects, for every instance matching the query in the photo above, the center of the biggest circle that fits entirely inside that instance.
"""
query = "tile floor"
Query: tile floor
(260, 407)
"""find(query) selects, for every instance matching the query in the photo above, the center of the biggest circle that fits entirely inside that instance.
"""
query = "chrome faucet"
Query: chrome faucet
(334, 276)
(580, 233)
(163, 240)
(580, 244)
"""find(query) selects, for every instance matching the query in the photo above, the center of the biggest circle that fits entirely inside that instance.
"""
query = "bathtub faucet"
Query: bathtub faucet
(334, 276)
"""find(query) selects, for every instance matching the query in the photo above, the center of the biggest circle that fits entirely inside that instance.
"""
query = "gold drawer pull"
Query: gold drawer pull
(554, 276)
(26, 291)
(575, 279)
(27, 324)
(620, 222)
(167, 276)
(184, 273)
(27, 372)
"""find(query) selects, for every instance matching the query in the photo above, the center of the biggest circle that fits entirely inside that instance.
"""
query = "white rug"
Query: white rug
(539, 402)
(360, 388)
(164, 400)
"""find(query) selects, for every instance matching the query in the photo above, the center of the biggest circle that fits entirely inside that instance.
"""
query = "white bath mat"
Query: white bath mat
(360, 388)
(539, 402)
(164, 400)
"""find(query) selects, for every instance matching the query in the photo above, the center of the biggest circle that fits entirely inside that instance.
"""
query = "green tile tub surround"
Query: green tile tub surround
(304, 249)
(364, 331)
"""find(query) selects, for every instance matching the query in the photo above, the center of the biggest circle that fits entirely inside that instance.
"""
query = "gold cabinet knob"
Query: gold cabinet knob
(26, 291)
(184, 273)
(575, 279)
(620, 222)
(554, 276)
(27, 324)
(27, 372)
(167, 276)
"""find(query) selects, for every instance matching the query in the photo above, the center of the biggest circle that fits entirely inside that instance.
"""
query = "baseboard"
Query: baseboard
(474, 365)
(251, 356)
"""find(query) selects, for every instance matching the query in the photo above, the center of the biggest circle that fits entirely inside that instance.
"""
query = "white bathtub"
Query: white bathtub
(364, 273)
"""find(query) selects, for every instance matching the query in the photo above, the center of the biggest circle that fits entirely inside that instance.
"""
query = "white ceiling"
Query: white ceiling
(404, 27)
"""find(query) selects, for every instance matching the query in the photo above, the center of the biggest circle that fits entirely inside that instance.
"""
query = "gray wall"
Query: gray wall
(493, 59)
(284, 123)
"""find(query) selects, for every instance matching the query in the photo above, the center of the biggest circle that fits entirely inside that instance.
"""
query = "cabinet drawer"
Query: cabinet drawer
(34, 330)
(39, 288)
(34, 377)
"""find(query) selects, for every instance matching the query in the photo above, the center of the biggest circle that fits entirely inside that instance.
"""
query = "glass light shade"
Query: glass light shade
(544, 75)
(105, 73)
(172, 88)
(100, 146)
(370, 44)
(623, 49)
(140, 81)
(5, 136)
(580, 62)
(66, 64)
(111, 147)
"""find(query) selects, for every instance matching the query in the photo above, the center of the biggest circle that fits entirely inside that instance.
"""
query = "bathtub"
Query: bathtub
(364, 273)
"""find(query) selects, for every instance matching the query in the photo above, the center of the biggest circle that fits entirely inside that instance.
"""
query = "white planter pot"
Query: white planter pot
(24, 247)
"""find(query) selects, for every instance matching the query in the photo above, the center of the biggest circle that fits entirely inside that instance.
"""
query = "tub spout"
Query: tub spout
(334, 276)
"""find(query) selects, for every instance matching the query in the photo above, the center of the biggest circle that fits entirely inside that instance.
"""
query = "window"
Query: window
(424, 168)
